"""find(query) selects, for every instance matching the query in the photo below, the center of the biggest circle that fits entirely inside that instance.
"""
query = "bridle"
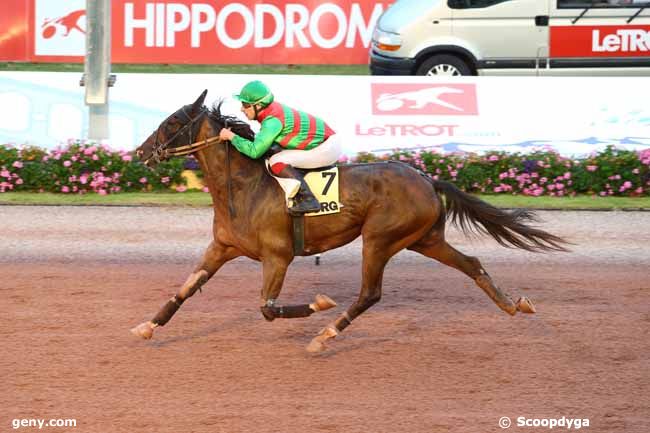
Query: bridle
(161, 151)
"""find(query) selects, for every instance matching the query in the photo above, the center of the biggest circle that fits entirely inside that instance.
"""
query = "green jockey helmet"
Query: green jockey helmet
(255, 92)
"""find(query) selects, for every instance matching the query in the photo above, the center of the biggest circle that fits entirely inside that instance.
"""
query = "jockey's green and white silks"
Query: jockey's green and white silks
(290, 128)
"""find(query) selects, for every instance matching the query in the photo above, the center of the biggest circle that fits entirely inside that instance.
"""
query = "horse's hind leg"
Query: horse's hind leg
(471, 266)
(215, 256)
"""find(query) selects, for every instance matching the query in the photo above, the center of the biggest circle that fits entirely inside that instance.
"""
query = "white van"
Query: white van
(513, 37)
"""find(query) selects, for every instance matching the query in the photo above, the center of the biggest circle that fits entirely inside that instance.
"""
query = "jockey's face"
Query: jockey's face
(248, 110)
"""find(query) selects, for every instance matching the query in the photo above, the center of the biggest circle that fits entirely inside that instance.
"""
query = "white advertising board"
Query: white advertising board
(373, 114)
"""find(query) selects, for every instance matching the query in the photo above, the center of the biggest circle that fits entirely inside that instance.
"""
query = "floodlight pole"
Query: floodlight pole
(97, 67)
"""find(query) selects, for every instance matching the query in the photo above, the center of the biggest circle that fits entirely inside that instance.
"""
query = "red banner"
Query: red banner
(600, 41)
(187, 31)
(14, 22)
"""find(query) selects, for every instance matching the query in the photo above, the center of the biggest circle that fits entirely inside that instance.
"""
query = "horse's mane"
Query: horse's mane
(237, 125)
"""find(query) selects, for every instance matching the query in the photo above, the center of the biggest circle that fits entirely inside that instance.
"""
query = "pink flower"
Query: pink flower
(493, 158)
(143, 180)
(90, 150)
(205, 189)
(559, 186)
(639, 190)
(19, 181)
(5, 173)
(95, 158)
(127, 158)
(83, 179)
(67, 163)
(65, 189)
(17, 164)
(592, 167)
(635, 171)
(101, 192)
(181, 188)
(164, 179)
(567, 175)
(627, 184)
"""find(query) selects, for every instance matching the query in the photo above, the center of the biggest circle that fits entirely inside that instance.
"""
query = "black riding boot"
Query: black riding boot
(304, 201)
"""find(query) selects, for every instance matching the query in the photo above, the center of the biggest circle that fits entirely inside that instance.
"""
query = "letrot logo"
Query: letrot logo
(60, 28)
(424, 99)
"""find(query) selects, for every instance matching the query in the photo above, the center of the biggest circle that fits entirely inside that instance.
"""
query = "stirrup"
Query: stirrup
(305, 205)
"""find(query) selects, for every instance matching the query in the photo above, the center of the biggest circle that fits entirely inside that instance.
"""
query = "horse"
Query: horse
(392, 205)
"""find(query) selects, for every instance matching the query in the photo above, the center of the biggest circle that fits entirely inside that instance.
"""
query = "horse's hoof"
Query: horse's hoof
(525, 305)
(315, 346)
(324, 302)
(143, 330)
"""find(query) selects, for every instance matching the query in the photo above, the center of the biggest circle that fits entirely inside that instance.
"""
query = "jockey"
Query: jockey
(308, 141)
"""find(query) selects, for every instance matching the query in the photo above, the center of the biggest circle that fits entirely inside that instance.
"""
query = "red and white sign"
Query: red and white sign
(188, 31)
(600, 41)
(424, 99)
(59, 28)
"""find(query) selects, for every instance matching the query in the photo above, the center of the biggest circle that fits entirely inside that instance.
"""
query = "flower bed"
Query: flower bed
(81, 168)
(612, 172)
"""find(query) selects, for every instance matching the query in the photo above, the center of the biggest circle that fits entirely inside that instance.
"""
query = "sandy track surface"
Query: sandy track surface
(434, 356)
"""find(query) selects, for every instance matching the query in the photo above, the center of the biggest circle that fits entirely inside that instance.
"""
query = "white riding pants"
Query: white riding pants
(327, 153)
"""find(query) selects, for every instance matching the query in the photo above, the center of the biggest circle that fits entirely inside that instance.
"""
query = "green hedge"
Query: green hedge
(83, 167)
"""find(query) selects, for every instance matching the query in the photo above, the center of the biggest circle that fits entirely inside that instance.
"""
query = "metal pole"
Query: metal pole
(97, 66)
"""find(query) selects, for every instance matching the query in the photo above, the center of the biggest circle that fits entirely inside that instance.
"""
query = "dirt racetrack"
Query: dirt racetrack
(435, 355)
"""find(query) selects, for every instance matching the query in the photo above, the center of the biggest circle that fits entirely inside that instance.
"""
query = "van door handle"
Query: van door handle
(541, 20)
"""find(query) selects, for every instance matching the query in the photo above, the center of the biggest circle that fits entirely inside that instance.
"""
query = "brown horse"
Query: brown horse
(391, 205)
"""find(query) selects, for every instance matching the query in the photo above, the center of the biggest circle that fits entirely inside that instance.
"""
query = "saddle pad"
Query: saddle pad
(324, 183)
(325, 186)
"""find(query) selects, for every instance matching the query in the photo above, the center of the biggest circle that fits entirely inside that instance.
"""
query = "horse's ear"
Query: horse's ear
(200, 100)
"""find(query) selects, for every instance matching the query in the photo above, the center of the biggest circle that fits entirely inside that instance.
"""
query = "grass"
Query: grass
(200, 199)
(195, 69)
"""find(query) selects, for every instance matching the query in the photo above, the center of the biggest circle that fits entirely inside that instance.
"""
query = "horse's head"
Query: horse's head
(177, 130)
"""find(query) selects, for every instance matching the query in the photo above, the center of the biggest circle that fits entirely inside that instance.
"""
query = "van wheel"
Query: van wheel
(444, 65)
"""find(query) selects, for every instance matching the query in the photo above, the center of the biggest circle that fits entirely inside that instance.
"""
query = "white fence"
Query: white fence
(572, 115)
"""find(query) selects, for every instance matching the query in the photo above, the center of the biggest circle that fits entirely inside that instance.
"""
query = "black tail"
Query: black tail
(509, 229)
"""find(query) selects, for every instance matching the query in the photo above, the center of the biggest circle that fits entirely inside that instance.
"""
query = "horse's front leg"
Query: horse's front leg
(274, 270)
(215, 256)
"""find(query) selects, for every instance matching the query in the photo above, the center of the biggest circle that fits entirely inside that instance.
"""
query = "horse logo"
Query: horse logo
(67, 22)
(426, 99)
(59, 28)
